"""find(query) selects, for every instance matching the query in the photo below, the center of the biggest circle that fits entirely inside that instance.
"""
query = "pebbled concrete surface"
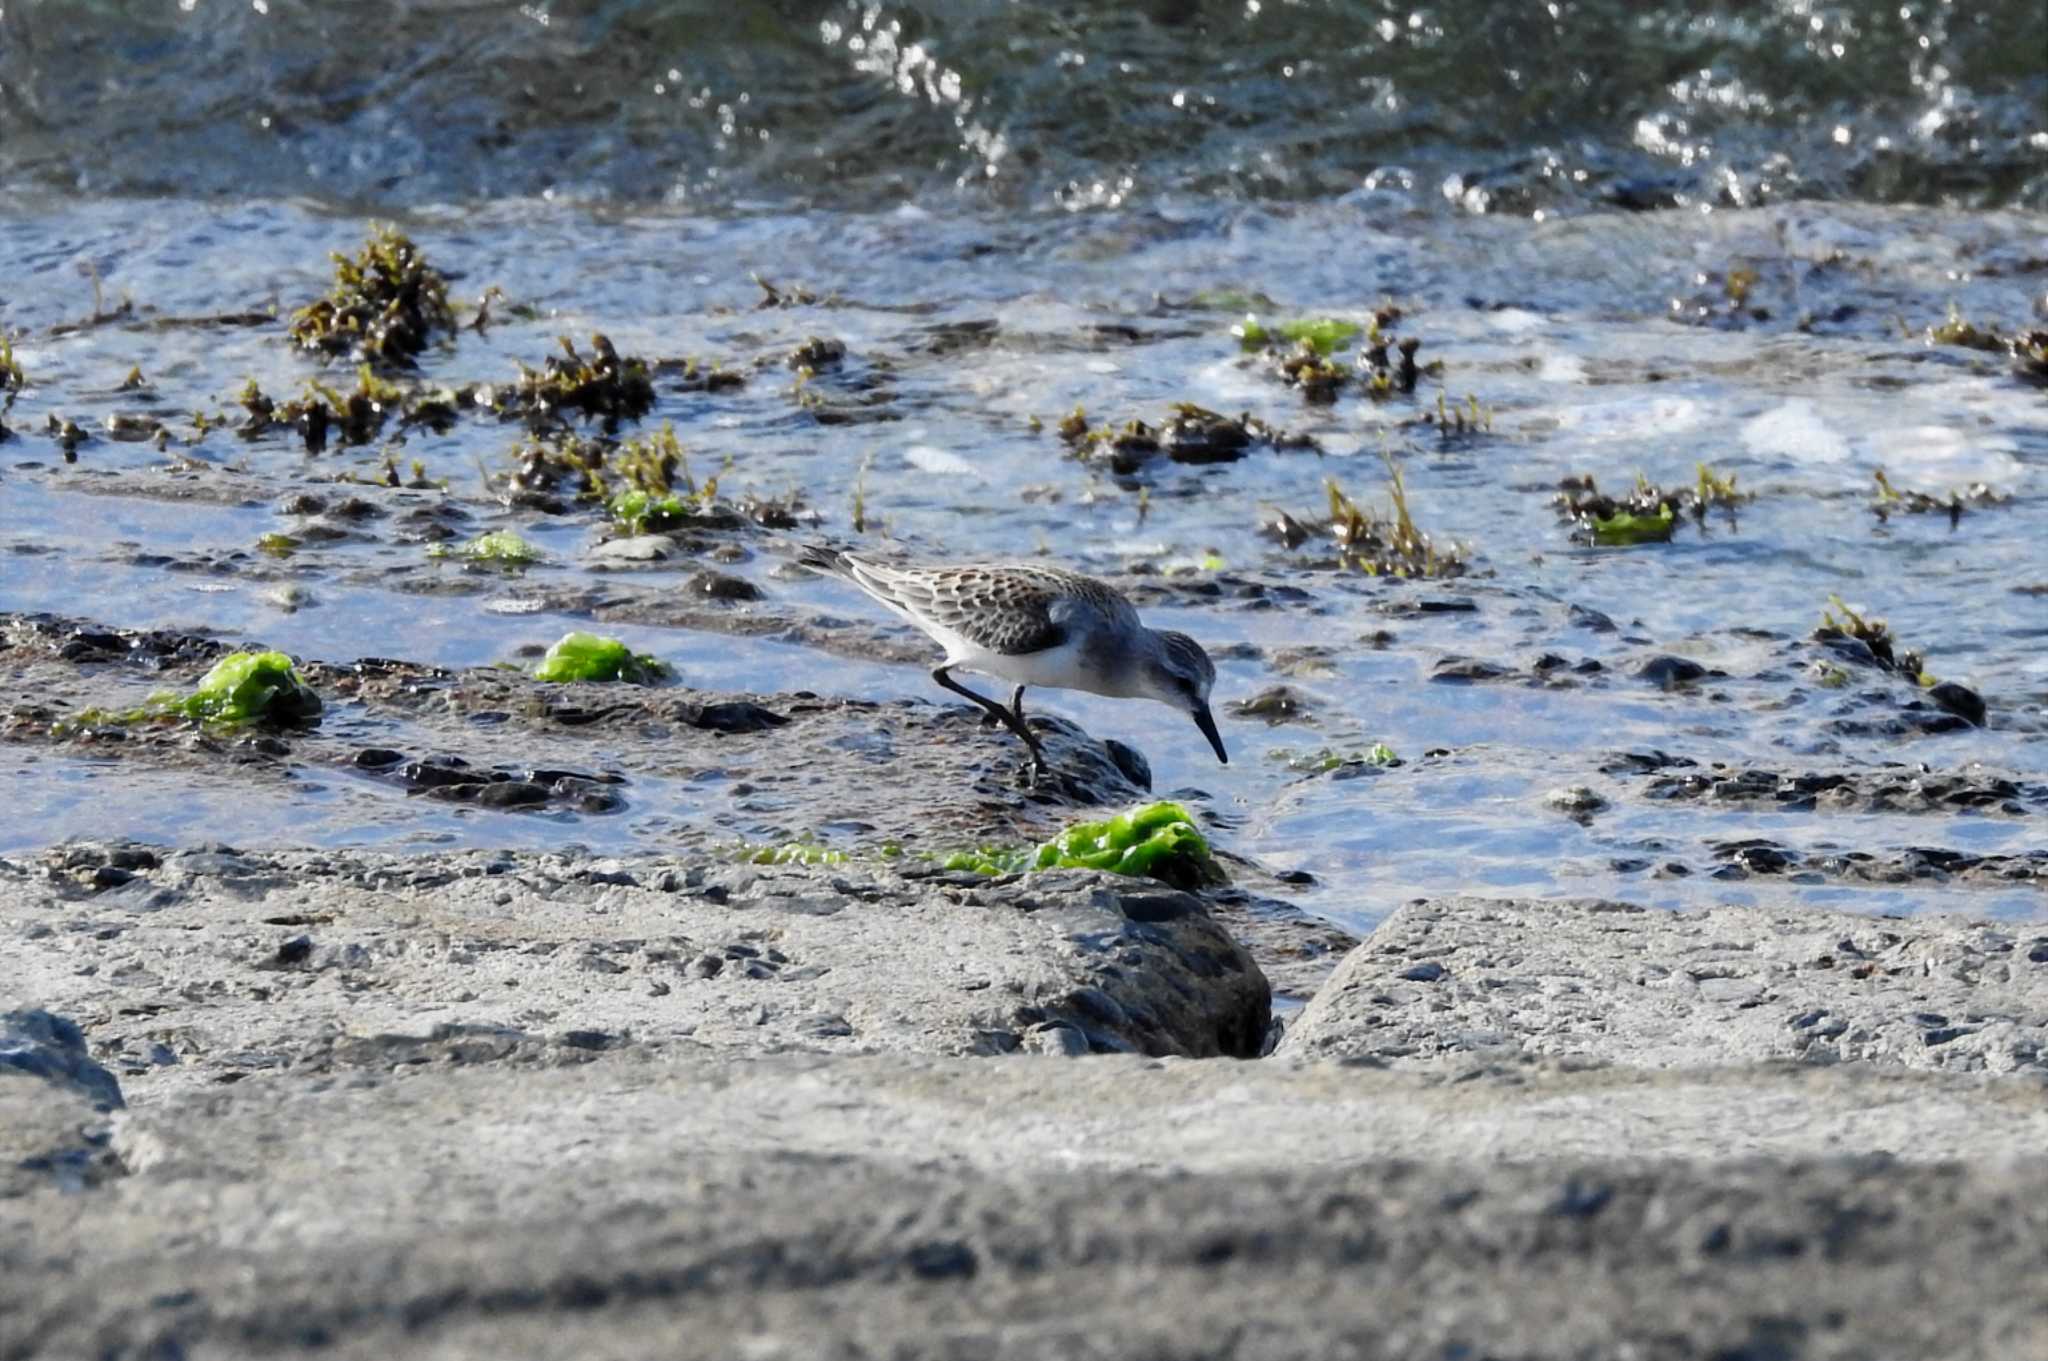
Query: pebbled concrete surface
(472, 1106)
(214, 966)
(1648, 988)
(896, 1205)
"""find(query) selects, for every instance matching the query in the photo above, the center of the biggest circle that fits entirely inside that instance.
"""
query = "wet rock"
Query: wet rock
(1129, 761)
(1578, 800)
(1669, 673)
(817, 353)
(1195, 435)
(512, 794)
(1465, 670)
(1460, 604)
(1276, 705)
(637, 548)
(735, 716)
(1644, 987)
(1585, 618)
(1959, 700)
(722, 586)
(1900, 789)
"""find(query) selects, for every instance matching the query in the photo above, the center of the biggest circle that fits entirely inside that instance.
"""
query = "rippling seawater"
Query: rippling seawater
(1550, 107)
(1640, 239)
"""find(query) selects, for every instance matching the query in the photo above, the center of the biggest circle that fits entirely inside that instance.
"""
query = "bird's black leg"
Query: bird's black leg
(1013, 720)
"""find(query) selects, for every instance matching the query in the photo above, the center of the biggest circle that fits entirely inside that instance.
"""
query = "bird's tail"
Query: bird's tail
(819, 558)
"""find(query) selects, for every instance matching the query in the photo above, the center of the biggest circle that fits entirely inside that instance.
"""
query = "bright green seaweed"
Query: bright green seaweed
(1626, 527)
(1157, 841)
(1321, 334)
(243, 687)
(583, 656)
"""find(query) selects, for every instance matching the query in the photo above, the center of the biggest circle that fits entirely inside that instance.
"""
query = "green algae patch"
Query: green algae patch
(1326, 759)
(1624, 528)
(1322, 334)
(1646, 513)
(386, 305)
(991, 860)
(242, 687)
(499, 546)
(789, 853)
(582, 656)
(1158, 841)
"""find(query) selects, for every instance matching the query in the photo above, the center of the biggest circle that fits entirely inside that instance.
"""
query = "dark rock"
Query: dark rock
(1276, 704)
(1463, 670)
(1129, 761)
(1670, 672)
(38, 1044)
(1585, 618)
(734, 716)
(722, 586)
(1959, 700)
(511, 794)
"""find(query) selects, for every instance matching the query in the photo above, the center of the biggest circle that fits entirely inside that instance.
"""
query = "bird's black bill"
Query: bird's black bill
(1208, 727)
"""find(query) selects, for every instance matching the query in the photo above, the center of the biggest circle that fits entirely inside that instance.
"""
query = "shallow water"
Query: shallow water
(1589, 341)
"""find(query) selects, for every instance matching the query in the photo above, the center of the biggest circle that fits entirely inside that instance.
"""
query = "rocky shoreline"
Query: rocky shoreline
(462, 1102)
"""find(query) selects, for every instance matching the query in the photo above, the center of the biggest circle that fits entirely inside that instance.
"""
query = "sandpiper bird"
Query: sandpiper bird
(1035, 626)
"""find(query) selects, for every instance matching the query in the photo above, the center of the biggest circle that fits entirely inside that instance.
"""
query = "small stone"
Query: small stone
(1062, 1041)
(1465, 670)
(636, 548)
(1575, 799)
(722, 586)
(1585, 618)
(1428, 972)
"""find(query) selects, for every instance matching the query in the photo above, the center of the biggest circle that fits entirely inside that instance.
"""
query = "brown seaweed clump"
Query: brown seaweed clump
(12, 381)
(1976, 496)
(1869, 642)
(2027, 349)
(1385, 367)
(602, 385)
(2030, 358)
(386, 305)
(1189, 434)
(1389, 544)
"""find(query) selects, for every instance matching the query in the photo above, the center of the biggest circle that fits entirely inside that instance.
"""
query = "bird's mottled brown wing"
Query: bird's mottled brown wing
(1011, 609)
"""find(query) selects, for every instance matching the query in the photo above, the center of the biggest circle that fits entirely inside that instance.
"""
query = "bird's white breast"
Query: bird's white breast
(1061, 667)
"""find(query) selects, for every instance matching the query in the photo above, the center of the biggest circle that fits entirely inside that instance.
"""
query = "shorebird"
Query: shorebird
(1034, 625)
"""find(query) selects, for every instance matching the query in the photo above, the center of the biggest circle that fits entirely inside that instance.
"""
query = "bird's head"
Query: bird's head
(1179, 674)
